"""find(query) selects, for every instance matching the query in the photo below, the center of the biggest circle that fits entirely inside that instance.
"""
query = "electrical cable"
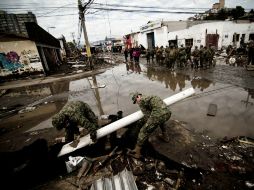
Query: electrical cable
(55, 9)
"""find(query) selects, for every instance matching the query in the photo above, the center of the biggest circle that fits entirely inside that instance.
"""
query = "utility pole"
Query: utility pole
(82, 10)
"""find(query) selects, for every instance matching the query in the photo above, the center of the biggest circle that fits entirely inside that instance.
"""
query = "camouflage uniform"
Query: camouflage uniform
(156, 113)
(157, 55)
(210, 54)
(202, 56)
(182, 57)
(196, 57)
(148, 54)
(206, 57)
(172, 57)
(167, 57)
(78, 113)
(152, 54)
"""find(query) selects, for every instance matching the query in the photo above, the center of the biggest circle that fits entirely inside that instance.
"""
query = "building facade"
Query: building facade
(192, 33)
(15, 23)
(37, 52)
(218, 34)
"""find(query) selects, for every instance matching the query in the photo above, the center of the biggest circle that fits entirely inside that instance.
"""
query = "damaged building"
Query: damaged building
(38, 52)
(192, 33)
(26, 48)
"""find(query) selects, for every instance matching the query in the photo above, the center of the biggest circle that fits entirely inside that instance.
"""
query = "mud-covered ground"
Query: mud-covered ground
(26, 112)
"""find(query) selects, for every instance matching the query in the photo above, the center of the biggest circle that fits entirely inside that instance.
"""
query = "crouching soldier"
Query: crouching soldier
(75, 114)
(156, 113)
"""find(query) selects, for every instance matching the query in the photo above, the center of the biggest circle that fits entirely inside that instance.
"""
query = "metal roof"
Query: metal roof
(122, 181)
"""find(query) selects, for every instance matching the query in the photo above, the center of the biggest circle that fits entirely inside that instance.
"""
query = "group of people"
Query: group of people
(134, 55)
(172, 56)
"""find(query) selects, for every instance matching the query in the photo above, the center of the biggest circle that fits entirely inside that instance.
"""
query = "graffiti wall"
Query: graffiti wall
(19, 57)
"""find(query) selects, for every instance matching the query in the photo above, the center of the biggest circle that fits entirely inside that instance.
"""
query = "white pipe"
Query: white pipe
(84, 141)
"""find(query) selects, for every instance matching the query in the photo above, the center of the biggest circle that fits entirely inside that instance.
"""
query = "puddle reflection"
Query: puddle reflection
(172, 79)
(108, 92)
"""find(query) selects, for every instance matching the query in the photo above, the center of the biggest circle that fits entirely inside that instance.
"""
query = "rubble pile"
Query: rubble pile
(198, 162)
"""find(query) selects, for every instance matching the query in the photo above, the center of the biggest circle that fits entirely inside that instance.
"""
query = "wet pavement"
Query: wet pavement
(234, 103)
(26, 111)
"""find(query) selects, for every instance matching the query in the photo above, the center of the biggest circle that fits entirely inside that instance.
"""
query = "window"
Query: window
(189, 42)
(251, 37)
(236, 37)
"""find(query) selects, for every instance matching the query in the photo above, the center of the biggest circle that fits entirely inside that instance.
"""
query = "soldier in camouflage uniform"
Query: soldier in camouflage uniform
(196, 57)
(172, 56)
(157, 54)
(152, 54)
(206, 57)
(202, 56)
(73, 114)
(182, 56)
(148, 55)
(210, 54)
(156, 113)
(167, 57)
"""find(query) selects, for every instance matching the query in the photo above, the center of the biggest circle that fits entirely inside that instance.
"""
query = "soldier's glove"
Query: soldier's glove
(93, 136)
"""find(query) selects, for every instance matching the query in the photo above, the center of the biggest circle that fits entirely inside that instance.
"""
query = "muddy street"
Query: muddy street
(26, 112)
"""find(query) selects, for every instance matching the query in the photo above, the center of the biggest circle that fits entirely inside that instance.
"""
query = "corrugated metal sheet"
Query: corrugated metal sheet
(122, 181)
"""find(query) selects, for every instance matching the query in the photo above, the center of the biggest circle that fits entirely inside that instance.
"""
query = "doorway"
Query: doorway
(150, 40)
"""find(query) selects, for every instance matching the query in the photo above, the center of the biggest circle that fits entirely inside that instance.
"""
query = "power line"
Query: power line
(145, 11)
(57, 15)
(147, 7)
(104, 6)
(55, 9)
(132, 11)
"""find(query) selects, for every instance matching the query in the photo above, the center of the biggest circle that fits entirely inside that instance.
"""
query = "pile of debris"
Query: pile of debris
(188, 161)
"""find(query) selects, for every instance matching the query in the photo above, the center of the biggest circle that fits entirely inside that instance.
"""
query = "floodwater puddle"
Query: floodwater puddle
(234, 104)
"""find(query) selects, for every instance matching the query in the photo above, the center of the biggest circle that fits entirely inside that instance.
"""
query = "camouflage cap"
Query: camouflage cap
(58, 121)
(134, 97)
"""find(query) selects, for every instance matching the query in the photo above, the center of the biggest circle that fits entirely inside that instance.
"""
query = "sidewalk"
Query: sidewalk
(48, 79)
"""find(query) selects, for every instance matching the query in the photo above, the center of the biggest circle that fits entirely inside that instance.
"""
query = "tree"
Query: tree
(238, 12)
(222, 14)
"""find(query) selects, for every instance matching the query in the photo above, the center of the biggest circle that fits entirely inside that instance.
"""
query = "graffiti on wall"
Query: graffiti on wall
(10, 61)
(28, 60)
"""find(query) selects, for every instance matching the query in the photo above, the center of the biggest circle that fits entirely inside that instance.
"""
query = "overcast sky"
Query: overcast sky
(60, 17)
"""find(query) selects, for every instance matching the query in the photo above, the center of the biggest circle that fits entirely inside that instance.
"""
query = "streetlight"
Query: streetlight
(50, 27)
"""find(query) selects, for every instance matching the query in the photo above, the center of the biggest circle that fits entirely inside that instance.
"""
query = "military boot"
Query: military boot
(136, 152)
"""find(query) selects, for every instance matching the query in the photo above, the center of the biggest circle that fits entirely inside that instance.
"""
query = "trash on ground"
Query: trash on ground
(27, 109)
(74, 163)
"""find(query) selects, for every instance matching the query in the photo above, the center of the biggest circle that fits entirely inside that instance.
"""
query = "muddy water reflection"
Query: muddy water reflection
(173, 79)
(235, 105)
